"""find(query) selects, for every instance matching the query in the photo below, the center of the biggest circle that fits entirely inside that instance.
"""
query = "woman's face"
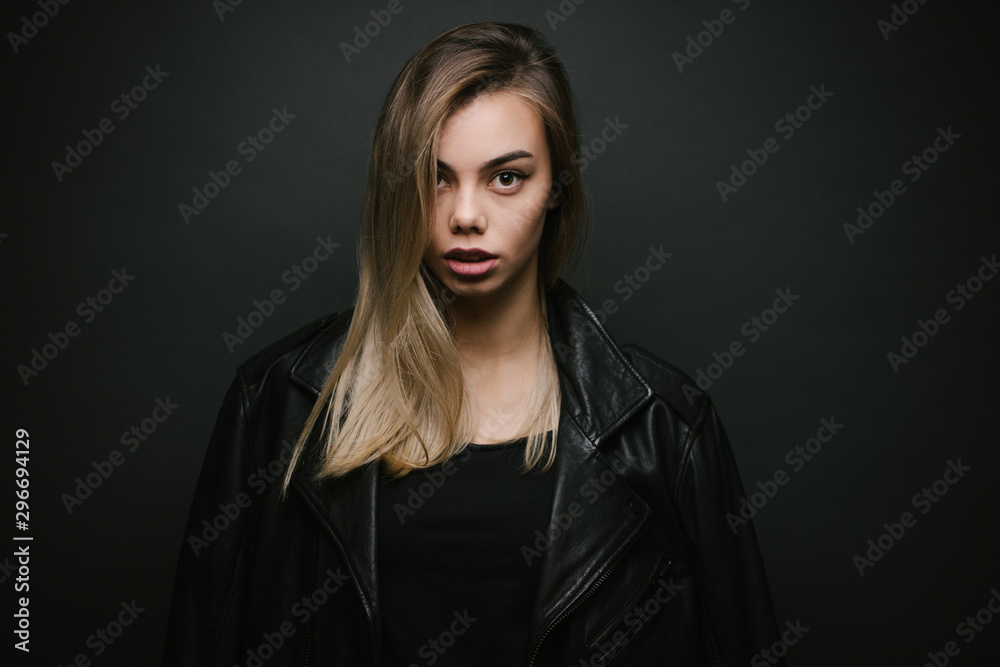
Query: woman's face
(494, 178)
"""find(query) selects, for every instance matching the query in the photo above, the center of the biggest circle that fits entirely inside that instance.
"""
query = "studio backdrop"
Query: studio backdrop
(793, 202)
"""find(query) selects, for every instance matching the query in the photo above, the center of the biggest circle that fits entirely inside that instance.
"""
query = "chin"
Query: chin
(472, 288)
(468, 287)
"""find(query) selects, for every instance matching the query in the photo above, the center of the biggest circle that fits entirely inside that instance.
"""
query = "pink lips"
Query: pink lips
(470, 261)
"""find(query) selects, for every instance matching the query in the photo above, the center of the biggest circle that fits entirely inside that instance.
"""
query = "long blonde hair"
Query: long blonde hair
(397, 392)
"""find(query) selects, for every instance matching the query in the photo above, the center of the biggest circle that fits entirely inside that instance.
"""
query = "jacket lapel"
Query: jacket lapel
(345, 506)
(600, 390)
(595, 520)
(346, 509)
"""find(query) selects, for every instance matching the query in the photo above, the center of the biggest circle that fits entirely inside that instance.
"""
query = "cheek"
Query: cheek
(533, 203)
(528, 219)
(538, 209)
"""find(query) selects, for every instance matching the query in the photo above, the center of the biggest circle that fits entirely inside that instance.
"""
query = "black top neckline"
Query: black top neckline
(523, 440)
(497, 445)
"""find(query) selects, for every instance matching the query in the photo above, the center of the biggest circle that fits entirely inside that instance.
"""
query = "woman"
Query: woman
(465, 469)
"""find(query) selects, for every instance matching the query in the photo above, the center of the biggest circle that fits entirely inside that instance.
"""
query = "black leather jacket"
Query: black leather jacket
(639, 567)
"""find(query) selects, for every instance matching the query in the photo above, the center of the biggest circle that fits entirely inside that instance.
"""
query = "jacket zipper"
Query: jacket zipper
(309, 641)
(575, 605)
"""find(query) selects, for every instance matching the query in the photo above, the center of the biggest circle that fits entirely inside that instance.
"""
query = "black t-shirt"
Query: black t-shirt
(454, 585)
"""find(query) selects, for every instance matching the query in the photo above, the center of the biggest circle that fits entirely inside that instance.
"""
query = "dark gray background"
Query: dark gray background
(825, 357)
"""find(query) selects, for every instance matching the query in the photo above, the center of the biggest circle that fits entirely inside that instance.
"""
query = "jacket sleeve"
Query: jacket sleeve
(737, 611)
(206, 593)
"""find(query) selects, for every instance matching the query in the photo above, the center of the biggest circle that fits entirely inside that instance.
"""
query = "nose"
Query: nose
(468, 215)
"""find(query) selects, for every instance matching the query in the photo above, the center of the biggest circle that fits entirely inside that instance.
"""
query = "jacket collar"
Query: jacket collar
(600, 390)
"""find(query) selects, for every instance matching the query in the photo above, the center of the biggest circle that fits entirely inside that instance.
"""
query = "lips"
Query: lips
(469, 255)
(470, 263)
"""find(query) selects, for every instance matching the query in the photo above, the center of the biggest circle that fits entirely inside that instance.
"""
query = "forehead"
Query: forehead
(490, 125)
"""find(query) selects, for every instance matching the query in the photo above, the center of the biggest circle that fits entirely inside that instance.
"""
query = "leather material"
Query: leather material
(638, 564)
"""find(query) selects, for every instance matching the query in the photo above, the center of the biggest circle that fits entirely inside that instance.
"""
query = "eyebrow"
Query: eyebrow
(508, 157)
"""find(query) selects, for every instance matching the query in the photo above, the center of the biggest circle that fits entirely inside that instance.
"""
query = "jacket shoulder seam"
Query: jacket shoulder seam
(673, 385)
(257, 365)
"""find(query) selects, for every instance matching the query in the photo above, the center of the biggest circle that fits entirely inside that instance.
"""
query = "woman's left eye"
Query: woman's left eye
(510, 179)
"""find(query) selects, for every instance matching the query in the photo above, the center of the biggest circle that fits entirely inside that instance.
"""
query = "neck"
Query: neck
(505, 324)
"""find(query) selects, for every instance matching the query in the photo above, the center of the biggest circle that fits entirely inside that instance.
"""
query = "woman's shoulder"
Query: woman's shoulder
(678, 389)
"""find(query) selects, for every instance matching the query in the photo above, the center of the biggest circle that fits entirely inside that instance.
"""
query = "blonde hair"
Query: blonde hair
(397, 393)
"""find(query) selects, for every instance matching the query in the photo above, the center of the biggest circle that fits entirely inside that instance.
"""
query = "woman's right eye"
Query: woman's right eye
(441, 180)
